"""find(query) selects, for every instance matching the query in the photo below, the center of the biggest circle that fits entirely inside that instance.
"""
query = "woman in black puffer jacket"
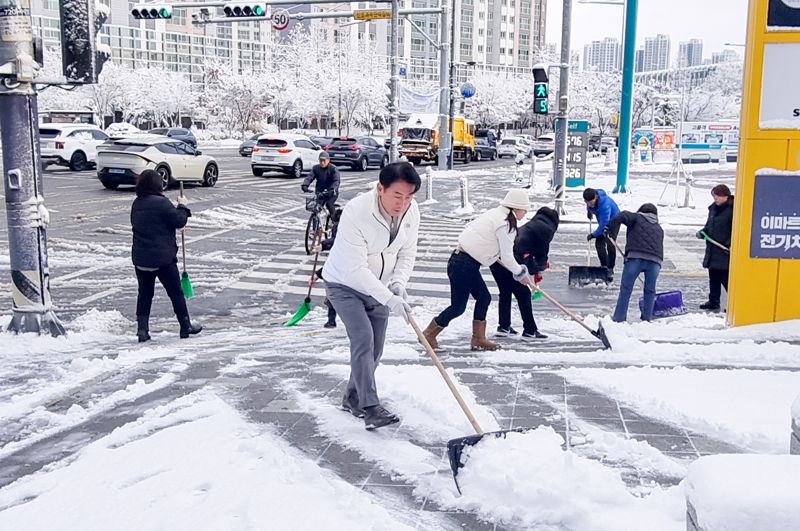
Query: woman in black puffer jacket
(718, 227)
(154, 220)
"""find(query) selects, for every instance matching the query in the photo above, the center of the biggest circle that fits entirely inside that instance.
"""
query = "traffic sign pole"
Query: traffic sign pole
(561, 125)
(626, 103)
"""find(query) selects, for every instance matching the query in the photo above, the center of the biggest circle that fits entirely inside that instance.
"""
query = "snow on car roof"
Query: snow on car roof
(284, 136)
(145, 139)
(67, 126)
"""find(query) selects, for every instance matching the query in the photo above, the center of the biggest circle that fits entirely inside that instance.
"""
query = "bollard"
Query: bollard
(687, 198)
(723, 157)
(428, 184)
(609, 157)
(532, 173)
(464, 185)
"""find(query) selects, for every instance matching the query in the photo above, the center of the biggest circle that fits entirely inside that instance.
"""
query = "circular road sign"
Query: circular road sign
(280, 19)
(467, 90)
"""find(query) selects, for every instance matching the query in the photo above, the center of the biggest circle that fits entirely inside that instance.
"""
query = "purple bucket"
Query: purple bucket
(668, 304)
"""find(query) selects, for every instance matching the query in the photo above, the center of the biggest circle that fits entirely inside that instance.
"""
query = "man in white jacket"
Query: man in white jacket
(365, 278)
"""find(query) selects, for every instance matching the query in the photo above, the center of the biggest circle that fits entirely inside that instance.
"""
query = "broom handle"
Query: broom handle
(714, 242)
(589, 247)
(443, 372)
(564, 309)
(183, 236)
(318, 241)
(616, 245)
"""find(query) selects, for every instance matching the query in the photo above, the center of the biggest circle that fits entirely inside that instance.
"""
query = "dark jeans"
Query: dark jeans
(330, 204)
(606, 251)
(508, 287)
(464, 273)
(171, 280)
(717, 279)
(630, 272)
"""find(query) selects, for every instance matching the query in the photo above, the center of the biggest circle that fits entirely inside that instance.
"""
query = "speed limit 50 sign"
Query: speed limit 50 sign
(280, 19)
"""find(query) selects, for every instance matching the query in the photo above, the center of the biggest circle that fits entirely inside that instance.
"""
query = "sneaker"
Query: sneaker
(710, 306)
(533, 335)
(330, 324)
(350, 404)
(506, 331)
(377, 417)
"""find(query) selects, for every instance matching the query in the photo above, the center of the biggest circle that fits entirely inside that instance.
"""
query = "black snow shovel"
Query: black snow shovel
(580, 276)
(455, 447)
(600, 333)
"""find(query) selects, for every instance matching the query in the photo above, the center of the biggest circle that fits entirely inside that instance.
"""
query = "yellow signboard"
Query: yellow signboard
(372, 14)
(764, 283)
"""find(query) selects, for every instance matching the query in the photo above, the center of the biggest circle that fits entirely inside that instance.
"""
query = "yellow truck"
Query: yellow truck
(419, 139)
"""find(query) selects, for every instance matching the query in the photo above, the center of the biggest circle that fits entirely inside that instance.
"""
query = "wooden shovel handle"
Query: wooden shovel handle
(443, 372)
(183, 236)
(564, 309)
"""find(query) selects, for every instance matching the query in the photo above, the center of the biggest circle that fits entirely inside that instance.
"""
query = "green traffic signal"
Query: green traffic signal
(258, 11)
(540, 90)
(165, 12)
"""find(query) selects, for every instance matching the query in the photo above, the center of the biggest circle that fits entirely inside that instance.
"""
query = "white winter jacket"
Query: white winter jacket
(362, 258)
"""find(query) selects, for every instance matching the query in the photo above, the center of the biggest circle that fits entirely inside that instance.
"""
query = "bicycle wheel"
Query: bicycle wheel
(311, 232)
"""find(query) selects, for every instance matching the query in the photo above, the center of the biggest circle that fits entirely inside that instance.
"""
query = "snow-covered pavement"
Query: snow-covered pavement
(239, 427)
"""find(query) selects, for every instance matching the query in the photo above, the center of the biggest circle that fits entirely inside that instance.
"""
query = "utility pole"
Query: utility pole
(452, 86)
(394, 79)
(562, 118)
(626, 101)
(22, 178)
(444, 85)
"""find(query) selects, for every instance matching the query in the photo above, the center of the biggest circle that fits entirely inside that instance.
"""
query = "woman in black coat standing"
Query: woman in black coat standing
(718, 227)
(155, 251)
(531, 249)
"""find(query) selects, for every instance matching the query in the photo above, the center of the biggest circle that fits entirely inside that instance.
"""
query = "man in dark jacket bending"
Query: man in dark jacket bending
(644, 253)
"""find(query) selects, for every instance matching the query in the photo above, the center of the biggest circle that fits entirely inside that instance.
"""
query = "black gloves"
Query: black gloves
(304, 187)
(589, 237)
(699, 235)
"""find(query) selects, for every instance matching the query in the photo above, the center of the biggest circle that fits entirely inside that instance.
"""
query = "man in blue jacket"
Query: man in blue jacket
(600, 205)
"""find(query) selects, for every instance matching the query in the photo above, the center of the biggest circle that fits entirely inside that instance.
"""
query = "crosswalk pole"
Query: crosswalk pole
(428, 184)
(464, 183)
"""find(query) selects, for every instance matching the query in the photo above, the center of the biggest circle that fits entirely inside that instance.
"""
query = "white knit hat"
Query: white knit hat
(516, 198)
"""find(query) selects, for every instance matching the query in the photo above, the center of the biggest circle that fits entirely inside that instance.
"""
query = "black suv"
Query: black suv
(359, 152)
(178, 133)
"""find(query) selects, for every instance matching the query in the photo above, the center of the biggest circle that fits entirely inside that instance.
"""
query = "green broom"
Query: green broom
(305, 307)
(186, 283)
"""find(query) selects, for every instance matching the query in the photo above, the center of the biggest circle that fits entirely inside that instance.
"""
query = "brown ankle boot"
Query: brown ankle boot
(430, 334)
(479, 341)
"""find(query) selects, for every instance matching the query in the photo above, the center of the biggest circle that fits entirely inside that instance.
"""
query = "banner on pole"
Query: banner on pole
(411, 102)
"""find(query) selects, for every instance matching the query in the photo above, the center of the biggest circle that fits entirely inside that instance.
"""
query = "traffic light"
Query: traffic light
(540, 90)
(252, 9)
(82, 54)
(151, 11)
(391, 98)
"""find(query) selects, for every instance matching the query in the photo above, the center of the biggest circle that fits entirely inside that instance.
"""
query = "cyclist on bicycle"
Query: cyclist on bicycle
(327, 180)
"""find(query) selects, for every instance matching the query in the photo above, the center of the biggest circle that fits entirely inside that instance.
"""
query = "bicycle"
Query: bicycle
(315, 232)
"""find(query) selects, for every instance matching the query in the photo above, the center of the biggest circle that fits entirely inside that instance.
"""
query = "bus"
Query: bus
(708, 141)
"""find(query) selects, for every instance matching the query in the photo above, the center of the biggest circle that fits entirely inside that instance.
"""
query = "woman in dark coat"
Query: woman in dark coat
(718, 227)
(531, 248)
(155, 252)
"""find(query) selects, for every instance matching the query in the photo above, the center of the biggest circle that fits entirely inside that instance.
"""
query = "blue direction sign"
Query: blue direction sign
(467, 90)
(775, 229)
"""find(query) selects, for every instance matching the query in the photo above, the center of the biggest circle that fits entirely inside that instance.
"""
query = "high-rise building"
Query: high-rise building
(638, 60)
(656, 53)
(602, 56)
(690, 53)
(724, 56)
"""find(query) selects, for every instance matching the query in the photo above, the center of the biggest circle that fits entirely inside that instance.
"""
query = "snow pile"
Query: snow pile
(742, 407)
(192, 464)
(745, 492)
(528, 479)
(123, 129)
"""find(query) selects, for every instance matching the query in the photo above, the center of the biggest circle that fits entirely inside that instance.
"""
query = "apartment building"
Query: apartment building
(690, 53)
(656, 53)
(602, 56)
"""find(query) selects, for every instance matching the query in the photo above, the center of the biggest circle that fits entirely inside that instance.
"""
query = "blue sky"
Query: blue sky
(714, 21)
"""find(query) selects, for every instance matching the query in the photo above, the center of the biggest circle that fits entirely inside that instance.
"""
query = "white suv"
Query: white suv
(291, 154)
(72, 145)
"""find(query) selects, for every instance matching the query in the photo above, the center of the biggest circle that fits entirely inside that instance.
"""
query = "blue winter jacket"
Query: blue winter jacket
(603, 210)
